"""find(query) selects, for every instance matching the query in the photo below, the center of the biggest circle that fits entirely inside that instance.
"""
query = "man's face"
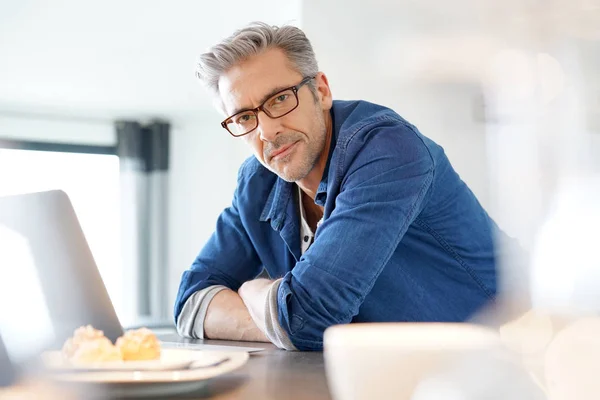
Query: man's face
(290, 145)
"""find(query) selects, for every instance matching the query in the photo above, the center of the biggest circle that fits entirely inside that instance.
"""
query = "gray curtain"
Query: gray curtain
(143, 151)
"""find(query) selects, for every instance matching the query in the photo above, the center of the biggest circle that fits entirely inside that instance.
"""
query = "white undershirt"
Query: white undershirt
(306, 234)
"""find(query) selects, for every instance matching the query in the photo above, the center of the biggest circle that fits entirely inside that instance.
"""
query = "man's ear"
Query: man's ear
(323, 91)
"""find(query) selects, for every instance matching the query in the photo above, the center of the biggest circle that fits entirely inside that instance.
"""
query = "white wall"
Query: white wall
(116, 58)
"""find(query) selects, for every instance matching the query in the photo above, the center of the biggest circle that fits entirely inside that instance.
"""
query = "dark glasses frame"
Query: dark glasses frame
(256, 110)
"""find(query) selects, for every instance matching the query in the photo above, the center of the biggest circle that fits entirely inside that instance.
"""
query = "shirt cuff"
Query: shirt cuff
(273, 330)
(191, 319)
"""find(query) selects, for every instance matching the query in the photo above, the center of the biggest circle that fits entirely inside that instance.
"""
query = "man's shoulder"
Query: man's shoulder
(361, 125)
(359, 109)
(355, 117)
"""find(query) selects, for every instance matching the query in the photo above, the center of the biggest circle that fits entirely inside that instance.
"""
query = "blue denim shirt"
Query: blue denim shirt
(402, 239)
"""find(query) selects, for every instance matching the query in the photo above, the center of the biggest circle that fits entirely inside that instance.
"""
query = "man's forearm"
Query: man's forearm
(228, 318)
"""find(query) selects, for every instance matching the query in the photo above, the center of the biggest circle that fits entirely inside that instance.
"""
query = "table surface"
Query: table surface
(269, 374)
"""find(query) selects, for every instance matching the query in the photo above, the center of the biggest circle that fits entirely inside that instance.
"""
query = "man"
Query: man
(356, 215)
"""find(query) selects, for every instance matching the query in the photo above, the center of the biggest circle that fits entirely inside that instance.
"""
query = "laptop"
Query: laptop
(50, 279)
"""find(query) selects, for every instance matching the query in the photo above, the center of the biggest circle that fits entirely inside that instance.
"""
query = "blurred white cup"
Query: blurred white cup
(388, 360)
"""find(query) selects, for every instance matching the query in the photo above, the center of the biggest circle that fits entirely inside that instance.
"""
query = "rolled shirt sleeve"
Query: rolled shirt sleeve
(273, 331)
(190, 322)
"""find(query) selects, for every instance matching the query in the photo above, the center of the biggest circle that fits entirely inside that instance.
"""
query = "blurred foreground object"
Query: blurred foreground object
(389, 360)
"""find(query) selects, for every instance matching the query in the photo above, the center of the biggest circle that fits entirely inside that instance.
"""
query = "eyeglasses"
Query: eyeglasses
(280, 104)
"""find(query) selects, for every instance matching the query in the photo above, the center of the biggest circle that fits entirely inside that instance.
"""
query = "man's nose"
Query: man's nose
(268, 128)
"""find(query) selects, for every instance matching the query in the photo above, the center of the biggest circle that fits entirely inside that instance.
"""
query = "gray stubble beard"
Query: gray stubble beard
(308, 162)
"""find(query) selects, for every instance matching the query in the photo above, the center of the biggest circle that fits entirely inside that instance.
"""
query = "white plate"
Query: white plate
(126, 383)
(170, 359)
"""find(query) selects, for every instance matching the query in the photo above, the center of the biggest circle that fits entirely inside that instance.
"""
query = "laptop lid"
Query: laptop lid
(49, 281)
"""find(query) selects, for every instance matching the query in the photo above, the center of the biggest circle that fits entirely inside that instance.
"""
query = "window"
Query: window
(92, 182)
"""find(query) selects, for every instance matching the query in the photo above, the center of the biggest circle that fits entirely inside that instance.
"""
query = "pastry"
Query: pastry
(96, 351)
(81, 335)
(139, 344)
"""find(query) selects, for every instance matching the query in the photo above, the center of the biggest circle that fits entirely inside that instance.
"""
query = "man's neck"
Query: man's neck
(310, 183)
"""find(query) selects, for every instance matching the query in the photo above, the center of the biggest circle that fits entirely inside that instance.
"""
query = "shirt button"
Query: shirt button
(306, 238)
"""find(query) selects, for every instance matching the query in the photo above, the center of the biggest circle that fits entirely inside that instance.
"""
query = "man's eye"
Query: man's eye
(281, 98)
(242, 119)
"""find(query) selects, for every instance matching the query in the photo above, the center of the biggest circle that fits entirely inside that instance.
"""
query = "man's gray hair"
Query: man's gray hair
(252, 40)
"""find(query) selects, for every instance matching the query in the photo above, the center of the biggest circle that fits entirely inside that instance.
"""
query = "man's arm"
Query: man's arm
(228, 318)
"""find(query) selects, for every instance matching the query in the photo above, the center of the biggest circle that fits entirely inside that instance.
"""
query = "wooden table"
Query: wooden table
(270, 374)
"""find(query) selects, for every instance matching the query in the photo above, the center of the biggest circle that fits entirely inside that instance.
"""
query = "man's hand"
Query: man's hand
(254, 294)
